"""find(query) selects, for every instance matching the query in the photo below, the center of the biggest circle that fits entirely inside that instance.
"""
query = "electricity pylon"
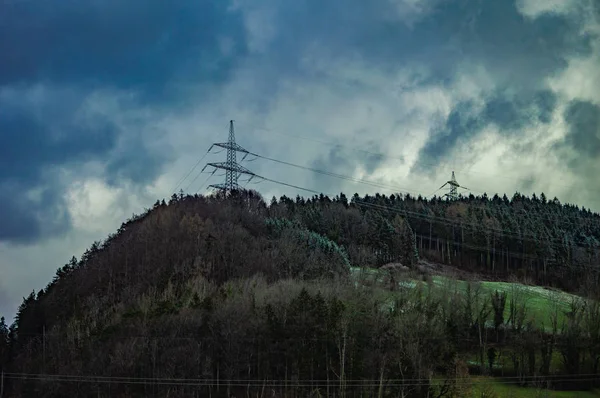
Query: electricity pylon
(233, 170)
(454, 185)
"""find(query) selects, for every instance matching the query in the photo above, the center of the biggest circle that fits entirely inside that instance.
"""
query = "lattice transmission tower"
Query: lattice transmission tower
(454, 185)
(233, 170)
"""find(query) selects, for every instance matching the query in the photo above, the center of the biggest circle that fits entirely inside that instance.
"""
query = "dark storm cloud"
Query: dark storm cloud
(515, 112)
(463, 123)
(139, 44)
(515, 49)
(38, 136)
(25, 220)
(152, 48)
(583, 119)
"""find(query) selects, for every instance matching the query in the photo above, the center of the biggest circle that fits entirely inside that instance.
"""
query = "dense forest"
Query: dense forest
(221, 296)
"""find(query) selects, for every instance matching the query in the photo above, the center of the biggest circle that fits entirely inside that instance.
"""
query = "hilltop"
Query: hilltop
(237, 295)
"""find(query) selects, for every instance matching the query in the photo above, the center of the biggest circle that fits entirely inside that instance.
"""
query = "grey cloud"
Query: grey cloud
(25, 219)
(39, 136)
(546, 101)
(373, 161)
(158, 51)
(345, 161)
(463, 123)
(336, 162)
(516, 50)
(583, 119)
(143, 45)
(44, 132)
(515, 112)
(509, 112)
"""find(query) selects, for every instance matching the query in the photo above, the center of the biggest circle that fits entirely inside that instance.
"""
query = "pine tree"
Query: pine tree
(4, 343)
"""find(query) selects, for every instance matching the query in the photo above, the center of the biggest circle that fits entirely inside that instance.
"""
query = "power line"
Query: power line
(380, 154)
(195, 178)
(481, 249)
(336, 175)
(181, 180)
(446, 221)
(452, 182)
(232, 147)
(205, 181)
(367, 182)
(233, 170)
(282, 383)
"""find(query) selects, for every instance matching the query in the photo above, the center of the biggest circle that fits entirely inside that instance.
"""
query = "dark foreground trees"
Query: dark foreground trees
(248, 337)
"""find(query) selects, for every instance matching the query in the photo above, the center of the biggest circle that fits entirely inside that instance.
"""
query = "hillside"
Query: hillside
(214, 295)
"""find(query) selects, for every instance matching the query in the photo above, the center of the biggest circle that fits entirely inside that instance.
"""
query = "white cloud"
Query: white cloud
(260, 26)
(93, 205)
(581, 79)
(536, 8)
(411, 11)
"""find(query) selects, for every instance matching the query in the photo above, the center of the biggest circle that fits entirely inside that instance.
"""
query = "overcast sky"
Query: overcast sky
(106, 105)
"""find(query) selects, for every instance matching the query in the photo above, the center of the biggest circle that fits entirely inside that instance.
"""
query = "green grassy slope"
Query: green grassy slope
(542, 304)
(483, 385)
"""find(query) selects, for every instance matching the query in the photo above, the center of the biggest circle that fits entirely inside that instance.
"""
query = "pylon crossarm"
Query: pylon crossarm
(233, 147)
(218, 186)
(235, 168)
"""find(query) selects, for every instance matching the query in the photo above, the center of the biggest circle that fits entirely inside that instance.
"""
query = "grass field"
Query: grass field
(482, 386)
(541, 303)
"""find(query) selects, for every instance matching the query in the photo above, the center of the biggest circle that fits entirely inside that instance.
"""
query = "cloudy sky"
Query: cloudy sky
(106, 105)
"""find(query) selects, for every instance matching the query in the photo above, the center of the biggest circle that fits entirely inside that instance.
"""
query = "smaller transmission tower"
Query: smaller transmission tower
(454, 185)
(233, 170)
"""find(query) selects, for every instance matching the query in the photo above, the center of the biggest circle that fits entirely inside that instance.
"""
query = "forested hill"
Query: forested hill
(528, 237)
(182, 255)
(545, 241)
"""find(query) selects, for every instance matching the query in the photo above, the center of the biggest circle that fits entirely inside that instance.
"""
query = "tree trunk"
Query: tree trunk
(381, 372)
